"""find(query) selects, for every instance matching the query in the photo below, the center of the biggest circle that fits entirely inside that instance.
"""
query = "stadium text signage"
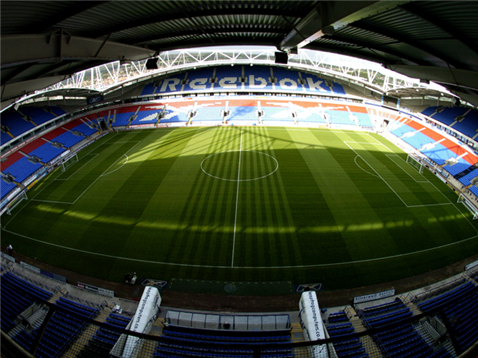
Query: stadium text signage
(253, 82)
(97, 290)
(374, 296)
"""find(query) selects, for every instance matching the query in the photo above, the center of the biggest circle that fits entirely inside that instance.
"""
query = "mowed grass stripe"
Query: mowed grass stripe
(288, 213)
(254, 166)
(53, 218)
(209, 203)
(117, 201)
(420, 193)
(357, 219)
(314, 224)
(192, 218)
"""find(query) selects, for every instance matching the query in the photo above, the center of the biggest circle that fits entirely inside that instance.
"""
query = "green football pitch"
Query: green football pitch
(243, 204)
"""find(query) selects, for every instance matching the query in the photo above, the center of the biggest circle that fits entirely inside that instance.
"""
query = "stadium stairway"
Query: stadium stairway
(81, 341)
(297, 334)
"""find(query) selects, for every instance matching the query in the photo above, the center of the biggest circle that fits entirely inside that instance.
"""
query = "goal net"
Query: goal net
(462, 199)
(415, 162)
(69, 162)
(14, 203)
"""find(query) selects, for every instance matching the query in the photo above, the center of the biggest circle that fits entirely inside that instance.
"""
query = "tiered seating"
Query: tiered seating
(448, 115)
(63, 328)
(277, 114)
(309, 116)
(340, 326)
(287, 76)
(400, 341)
(205, 74)
(68, 139)
(22, 169)
(47, 152)
(338, 317)
(145, 117)
(17, 295)
(5, 138)
(456, 304)
(122, 119)
(466, 179)
(474, 190)
(243, 113)
(439, 154)
(208, 114)
(259, 71)
(400, 129)
(404, 342)
(83, 128)
(15, 122)
(177, 342)
(340, 117)
(467, 126)
(39, 115)
(418, 140)
(463, 319)
(228, 71)
(174, 115)
(363, 119)
(104, 339)
(5, 188)
(385, 314)
(442, 299)
(457, 168)
(148, 89)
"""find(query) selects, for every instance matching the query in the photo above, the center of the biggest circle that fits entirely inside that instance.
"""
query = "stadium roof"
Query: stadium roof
(44, 42)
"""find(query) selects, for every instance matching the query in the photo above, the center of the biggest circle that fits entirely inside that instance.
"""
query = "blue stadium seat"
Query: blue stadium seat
(68, 139)
(22, 169)
(47, 152)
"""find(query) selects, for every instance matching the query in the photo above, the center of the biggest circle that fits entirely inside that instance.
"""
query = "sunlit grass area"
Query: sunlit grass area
(243, 204)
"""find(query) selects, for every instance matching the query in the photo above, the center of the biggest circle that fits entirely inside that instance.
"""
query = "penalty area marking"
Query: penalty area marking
(390, 156)
(386, 183)
(95, 155)
(100, 176)
(242, 267)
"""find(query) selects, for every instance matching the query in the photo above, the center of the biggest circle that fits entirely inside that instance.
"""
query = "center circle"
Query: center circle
(239, 165)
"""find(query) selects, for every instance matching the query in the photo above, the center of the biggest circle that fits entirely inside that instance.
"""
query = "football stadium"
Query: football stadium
(239, 179)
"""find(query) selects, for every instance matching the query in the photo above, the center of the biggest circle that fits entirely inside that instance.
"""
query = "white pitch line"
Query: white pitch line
(389, 156)
(398, 196)
(243, 267)
(102, 174)
(237, 200)
(95, 155)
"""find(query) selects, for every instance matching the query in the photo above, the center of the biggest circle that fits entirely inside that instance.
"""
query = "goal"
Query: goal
(15, 202)
(69, 162)
(462, 199)
(415, 162)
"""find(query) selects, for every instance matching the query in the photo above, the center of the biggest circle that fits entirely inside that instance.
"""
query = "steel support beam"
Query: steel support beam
(329, 16)
(442, 25)
(164, 18)
(20, 49)
(445, 76)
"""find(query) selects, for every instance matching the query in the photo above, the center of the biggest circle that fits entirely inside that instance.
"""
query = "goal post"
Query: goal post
(415, 162)
(69, 162)
(15, 202)
(463, 200)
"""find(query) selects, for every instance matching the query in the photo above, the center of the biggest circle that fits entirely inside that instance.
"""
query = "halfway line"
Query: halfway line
(237, 200)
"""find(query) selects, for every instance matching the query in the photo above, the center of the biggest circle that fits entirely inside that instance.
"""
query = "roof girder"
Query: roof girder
(19, 49)
(329, 16)
(197, 14)
(446, 27)
(407, 41)
(442, 75)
